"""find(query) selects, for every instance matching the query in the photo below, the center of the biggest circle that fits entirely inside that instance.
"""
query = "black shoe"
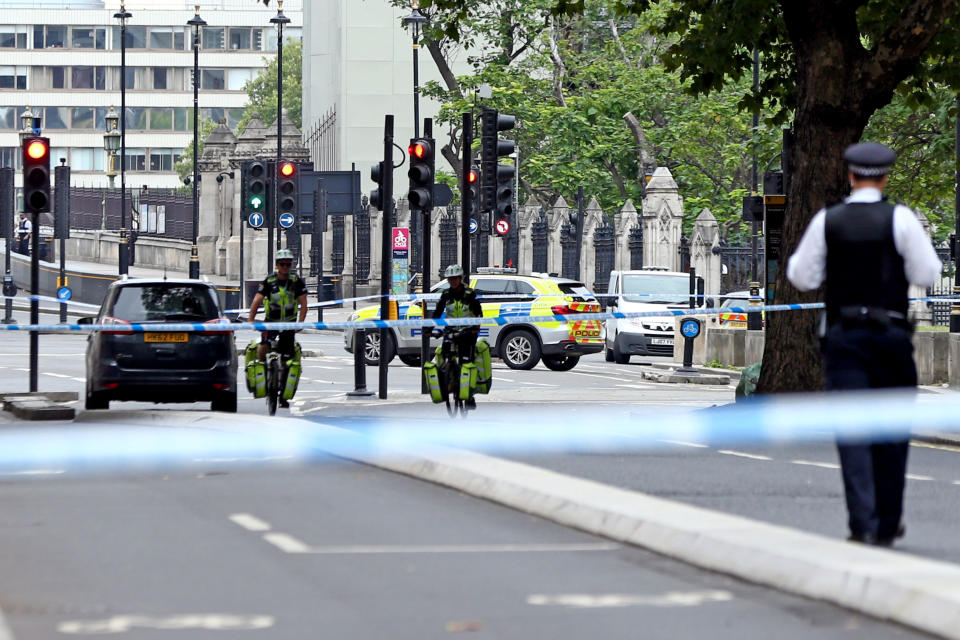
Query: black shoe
(888, 541)
(862, 538)
(470, 403)
(284, 404)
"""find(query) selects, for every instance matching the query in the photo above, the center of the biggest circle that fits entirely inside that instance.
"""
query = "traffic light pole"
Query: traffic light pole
(426, 231)
(386, 262)
(466, 195)
(34, 292)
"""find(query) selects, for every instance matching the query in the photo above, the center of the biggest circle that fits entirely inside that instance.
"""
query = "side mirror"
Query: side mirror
(86, 320)
(711, 303)
(611, 302)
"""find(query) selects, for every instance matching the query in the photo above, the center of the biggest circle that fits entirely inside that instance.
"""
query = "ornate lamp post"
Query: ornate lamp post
(26, 125)
(278, 20)
(111, 143)
(123, 15)
(196, 22)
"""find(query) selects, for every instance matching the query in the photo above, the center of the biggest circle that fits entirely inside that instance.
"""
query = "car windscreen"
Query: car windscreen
(164, 303)
(576, 289)
(735, 302)
(656, 288)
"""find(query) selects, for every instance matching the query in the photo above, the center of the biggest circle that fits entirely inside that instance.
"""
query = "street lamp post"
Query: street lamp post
(196, 22)
(123, 15)
(111, 144)
(278, 20)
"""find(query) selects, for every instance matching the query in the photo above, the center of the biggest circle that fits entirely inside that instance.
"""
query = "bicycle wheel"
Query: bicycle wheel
(273, 385)
(451, 387)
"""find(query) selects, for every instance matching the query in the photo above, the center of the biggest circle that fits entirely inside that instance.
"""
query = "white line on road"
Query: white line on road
(687, 444)
(822, 465)
(956, 482)
(669, 599)
(322, 366)
(55, 375)
(250, 522)
(741, 454)
(35, 472)
(503, 379)
(292, 545)
(912, 476)
(286, 543)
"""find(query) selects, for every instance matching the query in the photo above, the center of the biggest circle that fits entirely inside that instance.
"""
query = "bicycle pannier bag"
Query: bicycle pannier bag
(468, 380)
(481, 358)
(293, 373)
(433, 381)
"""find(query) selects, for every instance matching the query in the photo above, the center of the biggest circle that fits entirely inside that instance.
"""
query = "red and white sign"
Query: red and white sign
(503, 227)
(401, 239)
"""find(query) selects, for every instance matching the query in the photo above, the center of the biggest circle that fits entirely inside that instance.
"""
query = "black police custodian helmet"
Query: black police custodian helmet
(869, 159)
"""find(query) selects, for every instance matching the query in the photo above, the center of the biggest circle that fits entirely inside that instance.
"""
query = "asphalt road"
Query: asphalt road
(361, 553)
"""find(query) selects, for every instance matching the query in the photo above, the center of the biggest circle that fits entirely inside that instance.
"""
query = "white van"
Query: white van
(648, 289)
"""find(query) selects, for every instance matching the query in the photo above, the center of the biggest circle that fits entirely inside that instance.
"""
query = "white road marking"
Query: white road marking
(55, 375)
(912, 476)
(669, 599)
(244, 459)
(292, 545)
(286, 543)
(34, 472)
(741, 454)
(644, 387)
(687, 444)
(250, 522)
(822, 465)
(208, 621)
(956, 482)
(501, 379)
(79, 379)
(321, 366)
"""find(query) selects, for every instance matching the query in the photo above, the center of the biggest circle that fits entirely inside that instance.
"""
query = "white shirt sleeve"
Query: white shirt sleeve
(920, 262)
(807, 267)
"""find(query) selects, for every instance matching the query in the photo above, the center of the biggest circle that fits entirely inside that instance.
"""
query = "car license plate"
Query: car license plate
(165, 337)
(661, 340)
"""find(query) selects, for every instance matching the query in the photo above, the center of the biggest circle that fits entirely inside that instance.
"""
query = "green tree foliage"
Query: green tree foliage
(262, 90)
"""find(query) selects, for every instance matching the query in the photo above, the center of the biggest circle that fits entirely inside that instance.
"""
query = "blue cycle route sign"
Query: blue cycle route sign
(690, 328)
(255, 220)
(64, 293)
(287, 220)
(473, 225)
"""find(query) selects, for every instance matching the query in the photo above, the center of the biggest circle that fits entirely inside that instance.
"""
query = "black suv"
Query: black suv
(160, 366)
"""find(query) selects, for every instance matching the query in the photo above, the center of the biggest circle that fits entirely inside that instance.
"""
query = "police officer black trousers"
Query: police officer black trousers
(867, 356)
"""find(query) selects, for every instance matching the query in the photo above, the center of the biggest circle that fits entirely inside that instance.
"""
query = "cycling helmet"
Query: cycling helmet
(284, 254)
(453, 271)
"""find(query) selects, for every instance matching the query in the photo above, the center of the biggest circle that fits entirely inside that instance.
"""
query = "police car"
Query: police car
(504, 293)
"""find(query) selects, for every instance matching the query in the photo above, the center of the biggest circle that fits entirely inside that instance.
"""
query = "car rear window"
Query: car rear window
(164, 302)
(575, 289)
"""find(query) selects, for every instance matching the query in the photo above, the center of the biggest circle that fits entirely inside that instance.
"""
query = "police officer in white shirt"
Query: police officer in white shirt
(867, 251)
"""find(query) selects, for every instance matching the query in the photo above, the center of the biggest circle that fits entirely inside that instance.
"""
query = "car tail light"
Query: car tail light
(220, 386)
(111, 385)
(216, 321)
(562, 310)
(110, 321)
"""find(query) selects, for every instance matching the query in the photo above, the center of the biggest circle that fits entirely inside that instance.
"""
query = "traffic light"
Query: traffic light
(376, 196)
(504, 208)
(36, 175)
(421, 173)
(254, 184)
(473, 181)
(288, 188)
(491, 150)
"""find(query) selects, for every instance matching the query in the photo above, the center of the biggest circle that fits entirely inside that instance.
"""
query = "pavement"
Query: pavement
(890, 585)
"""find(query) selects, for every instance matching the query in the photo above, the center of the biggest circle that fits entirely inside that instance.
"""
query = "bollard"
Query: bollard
(755, 319)
(359, 366)
(690, 329)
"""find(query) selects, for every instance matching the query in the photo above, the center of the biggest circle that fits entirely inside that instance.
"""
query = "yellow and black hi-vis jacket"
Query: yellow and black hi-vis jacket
(461, 303)
(280, 297)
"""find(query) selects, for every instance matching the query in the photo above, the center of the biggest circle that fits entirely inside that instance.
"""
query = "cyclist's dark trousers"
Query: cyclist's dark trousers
(466, 342)
(866, 357)
(286, 343)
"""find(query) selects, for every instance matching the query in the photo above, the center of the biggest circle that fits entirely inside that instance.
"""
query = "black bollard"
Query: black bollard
(359, 367)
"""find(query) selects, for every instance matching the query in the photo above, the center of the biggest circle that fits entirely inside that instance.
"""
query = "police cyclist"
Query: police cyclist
(284, 298)
(460, 301)
(867, 251)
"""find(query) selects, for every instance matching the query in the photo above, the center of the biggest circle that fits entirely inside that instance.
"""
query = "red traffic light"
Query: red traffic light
(37, 149)
(287, 169)
(419, 149)
(472, 176)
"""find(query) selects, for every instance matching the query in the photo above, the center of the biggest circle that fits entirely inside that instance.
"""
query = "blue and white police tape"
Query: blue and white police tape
(161, 439)
(220, 327)
(71, 303)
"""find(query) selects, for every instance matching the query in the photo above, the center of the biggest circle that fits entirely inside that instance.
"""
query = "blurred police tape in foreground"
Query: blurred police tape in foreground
(156, 440)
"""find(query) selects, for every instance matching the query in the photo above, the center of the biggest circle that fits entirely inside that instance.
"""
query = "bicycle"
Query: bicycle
(450, 371)
(276, 375)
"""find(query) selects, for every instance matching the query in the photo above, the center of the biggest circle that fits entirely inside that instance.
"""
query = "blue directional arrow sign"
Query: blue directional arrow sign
(64, 293)
(473, 225)
(287, 220)
(256, 220)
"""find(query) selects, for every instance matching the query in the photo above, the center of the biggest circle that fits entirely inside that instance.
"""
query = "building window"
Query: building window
(211, 113)
(211, 79)
(135, 160)
(58, 78)
(10, 157)
(182, 119)
(136, 118)
(161, 119)
(87, 77)
(161, 159)
(88, 37)
(85, 158)
(159, 77)
(239, 38)
(9, 119)
(13, 78)
(257, 35)
(234, 116)
(213, 37)
(56, 118)
(166, 38)
(136, 37)
(237, 78)
(50, 37)
(13, 37)
(82, 118)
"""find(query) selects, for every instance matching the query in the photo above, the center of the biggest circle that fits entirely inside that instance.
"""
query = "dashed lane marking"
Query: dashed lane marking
(292, 545)
(55, 375)
(611, 600)
(286, 543)
(822, 465)
(740, 454)
(696, 445)
(250, 522)
(913, 476)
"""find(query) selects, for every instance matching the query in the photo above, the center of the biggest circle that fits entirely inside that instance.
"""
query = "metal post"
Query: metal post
(466, 196)
(581, 214)
(955, 248)
(426, 230)
(359, 368)
(243, 280)
(279, 20)
(196, 22)
(386, 259)
(34, 292)
(322, 221)
(353, 287)
(8, 204)
(754, 321)
(124, 261)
